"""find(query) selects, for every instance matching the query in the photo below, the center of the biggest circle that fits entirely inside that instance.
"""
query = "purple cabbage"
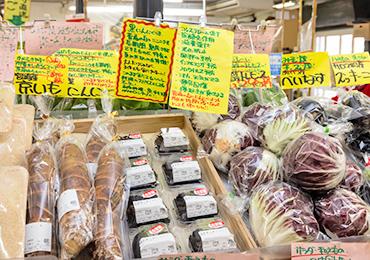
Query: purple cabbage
(353, 178)
(252, 116)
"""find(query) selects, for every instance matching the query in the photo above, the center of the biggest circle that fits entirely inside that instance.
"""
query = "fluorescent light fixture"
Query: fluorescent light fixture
(287, 4)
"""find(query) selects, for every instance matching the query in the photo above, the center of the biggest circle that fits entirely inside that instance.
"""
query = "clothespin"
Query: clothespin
(47, 20)
(234, 23)
(263, 25)
(203, 21)
(157, 19)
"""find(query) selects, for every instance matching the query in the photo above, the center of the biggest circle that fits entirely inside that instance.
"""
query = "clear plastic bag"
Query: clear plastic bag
(281, 214)
(26, 112)
(353, 178)
(313, 107)
(171, 140)
(252, 116)
(355, 99)
(140, 174)
(7, 95)
(133, 145)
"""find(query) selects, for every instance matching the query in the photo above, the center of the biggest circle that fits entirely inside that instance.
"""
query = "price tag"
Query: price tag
(67, 202)
(38, 237)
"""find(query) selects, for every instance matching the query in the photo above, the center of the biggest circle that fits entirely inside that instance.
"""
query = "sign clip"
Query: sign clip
(47, 20)
(157, 19)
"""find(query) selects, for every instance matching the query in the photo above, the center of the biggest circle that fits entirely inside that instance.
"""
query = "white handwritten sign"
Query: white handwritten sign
(8, 49)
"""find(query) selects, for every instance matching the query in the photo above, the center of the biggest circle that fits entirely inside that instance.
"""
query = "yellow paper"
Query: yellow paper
(202, 69)
(90, 72)
(305, 70)
(351, 69)
(36, 75)
(251, 71)
(145, 61)
(17, 12)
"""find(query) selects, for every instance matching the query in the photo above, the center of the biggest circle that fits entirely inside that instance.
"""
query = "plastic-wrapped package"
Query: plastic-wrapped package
(153, 240)
(211, 235)
(7, 95)
(140, 174)
(313, 107)
(194, 202)
(252, 116)
(281, 214)
(26, 112)
(281, 126)
(13, 203)
(274, 96)
(111, 200)
(315, 162)
(226, 139)
(181, 169)
(342, 214)
(353, 179)
(252, 167)
(171, 140)
(145, 207)
(42, 195)
(355, 99)
(133, 145)
(76, 201)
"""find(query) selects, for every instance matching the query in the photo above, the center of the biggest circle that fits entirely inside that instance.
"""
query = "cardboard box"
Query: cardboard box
(362, 30)
(290, 28)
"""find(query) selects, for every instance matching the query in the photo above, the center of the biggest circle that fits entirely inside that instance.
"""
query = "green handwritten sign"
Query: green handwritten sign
(251, 71)
(351, 69)
(209, 256)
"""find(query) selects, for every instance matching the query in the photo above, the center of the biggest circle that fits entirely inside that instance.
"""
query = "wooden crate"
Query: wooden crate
(154, 123)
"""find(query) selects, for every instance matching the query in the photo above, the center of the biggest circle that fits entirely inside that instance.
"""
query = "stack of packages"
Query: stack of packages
(15, 138)
(297, 166)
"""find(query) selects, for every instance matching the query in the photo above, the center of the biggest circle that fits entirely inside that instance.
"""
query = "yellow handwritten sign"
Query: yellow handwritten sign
(90, 72)
(17, 12)
(251, 71)
(145, 61)
(351, 69)
(305, 70)
(202, 69)
(36, 75)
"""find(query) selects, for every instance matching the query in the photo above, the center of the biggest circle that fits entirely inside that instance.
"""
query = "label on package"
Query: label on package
(139, 175)
(149, 210)
(154, 246)
(38, 237)
(174, 137)
(197, 206)
(67, 202)
(186, 171)
(217, 239)
(134, 147)
(93, 167)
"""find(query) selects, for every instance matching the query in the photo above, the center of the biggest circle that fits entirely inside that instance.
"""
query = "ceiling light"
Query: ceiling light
(287, 4)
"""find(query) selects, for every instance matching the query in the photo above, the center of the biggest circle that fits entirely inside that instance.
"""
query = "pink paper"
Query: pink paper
(8, 49)
(46, 41)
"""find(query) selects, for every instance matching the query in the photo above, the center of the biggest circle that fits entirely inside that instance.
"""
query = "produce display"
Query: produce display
(313, 107)
(181, 170)
(140, 174)
(353, 179)
(171, 140)
(252, 116)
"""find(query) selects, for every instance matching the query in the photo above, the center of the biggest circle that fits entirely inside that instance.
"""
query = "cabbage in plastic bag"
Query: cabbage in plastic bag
(252, 116)
(353, 179)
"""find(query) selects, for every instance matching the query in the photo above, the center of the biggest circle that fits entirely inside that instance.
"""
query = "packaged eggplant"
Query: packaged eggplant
(194, 202)
(171, 140)
(140, 174)
(146, 207)
(181, 169)
(133, 144)
(313, 107)
(153, 240)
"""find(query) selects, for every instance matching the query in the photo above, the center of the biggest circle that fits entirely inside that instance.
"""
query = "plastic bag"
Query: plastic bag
(27, 113)
(313, 107)
(140, 174)
(281, 214)
(133, 145)
(76, 201)
(355, 99)
(171, 140)
(353, 178)
(274, 96)
(7, 95)
(252, 116)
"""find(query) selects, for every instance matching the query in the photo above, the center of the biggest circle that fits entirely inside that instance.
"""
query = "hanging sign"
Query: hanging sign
(46, 41)
(275, 63)
(145, 61)
(17, 12)
(305, 70)
(36, 75)
(251, 71)
(90, 72)
(351, 69)
(8, 49)
(202, 69)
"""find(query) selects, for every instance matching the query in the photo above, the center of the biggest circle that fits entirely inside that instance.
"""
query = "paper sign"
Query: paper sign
(351, 69)
(275, 63)
(46, 41)
(251, 71)
(305, 70)
(17, 12)
(202, 69)
(90, 72)
(209, 256)
(330, 251)
(145, 61)
(8, 49)
(36, 75)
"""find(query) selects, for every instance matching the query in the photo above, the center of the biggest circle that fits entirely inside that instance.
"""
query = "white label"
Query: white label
(67, 202)
(185, 171)
(197, 206)
(93, 167)
(139, 175)
(38, 237)
(134, 147)
(154, 246)
(174, 137)
(149, 210)
(217, 239)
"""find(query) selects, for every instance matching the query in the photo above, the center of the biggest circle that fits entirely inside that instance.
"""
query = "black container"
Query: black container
(147, 8)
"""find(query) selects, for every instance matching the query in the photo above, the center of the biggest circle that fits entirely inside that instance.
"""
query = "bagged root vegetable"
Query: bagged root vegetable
(77, 194)
(281, 214)
(7, 95)
(226, 139)
(314, 162)
(343, 214)
(252, 167)
(353, 179)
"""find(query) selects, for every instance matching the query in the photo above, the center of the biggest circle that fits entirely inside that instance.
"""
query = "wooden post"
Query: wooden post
(85, 10)
(282, 27)
(299, 34)
(314, 14)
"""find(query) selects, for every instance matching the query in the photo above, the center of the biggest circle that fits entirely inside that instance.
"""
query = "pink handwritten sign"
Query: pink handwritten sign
(209, 256)
(46, 41)
(8, 49)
